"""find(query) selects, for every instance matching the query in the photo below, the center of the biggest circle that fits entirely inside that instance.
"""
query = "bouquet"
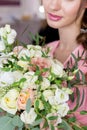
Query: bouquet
(33, 86)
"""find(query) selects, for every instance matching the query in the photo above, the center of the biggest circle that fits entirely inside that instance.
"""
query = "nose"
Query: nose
(55, 4)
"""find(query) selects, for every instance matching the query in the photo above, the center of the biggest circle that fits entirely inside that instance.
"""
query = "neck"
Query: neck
(68, 37)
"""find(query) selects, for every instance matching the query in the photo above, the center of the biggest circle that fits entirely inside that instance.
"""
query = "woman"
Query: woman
(69, 16)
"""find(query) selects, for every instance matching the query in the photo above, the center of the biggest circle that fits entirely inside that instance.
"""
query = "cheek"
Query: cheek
(71, 10)
(45, 4)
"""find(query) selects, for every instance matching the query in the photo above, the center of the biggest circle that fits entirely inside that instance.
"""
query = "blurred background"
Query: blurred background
(26, 16)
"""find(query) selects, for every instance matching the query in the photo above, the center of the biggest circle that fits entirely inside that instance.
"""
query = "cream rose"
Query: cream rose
(57, 68)
(63, 109)
(45, 84)
(47, 94)
(35, 51)
(28, 118)
(9, 101)
(31, 78)
(61, 96)
(6, 78)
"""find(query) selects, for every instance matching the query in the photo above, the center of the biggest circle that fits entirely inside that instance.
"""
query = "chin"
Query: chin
(53, 24)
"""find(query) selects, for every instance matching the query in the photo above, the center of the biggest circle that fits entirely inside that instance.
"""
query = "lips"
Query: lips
(54, 17)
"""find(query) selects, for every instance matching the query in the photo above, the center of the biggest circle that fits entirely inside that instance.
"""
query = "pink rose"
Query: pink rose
(23, 98)
(41, 63)
(17, 49)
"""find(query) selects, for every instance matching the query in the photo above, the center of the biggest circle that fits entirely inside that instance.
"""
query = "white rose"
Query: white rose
(24, 53)
(31, 78)
(57, 68)
(9, 101)
(35, 51)
(61, 96)
(45, 84)
(3, 33)
(23, 64)
(17, 75)
(63, 109)
(11, 36)
(34, 47)
(8, 34)
(7, 28)
(2, 46)
(28, 118)
(6, 78)
(47, 94)
(52, 101)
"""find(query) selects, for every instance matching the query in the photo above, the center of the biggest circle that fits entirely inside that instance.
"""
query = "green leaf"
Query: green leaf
(52, 127)
(37, 103)
(78, 99)
(16, 121)
(83, 94)
(1, 110)
(36, 128)
(77, 128)
(20, 128)
(37, 122)
(58, 82)
(65, 125)
(72, 119)
(83, 76)
(52, 117)
(74, 56)
(77, 76)
(83, 112)
(28, 105)
(6, 123)
(84, 127)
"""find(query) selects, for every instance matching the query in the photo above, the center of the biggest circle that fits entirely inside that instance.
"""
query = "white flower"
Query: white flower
(35, 51)
(7, 34)
(23, 64)
(6, 78)
(23, 53)
(61, 96)
(17, 75)
(57, 68)
(2, 46)
(3, 33)
(31, 78)
(28, 118)
(52, 101)
(9, 101)
(7, 28)
(45, 84)
(63, 109)
(11, 36)
(47, 94)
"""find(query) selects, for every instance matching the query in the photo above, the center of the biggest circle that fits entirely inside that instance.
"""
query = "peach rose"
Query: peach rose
(41, 63)
(23, 98)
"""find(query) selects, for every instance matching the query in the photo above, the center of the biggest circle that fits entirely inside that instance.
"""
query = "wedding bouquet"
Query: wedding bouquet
(33, 86)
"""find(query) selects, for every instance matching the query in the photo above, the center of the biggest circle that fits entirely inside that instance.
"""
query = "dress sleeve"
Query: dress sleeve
(82, 119)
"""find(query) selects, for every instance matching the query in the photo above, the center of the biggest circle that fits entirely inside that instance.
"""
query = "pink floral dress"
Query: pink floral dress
(82, 119)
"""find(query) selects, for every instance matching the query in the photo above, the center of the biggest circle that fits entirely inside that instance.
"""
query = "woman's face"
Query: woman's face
(63, 13)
